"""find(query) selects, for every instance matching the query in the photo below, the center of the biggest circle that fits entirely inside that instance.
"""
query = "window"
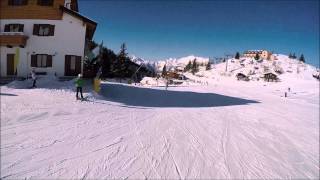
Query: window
(43, 30)
(17, 2)
(45, 2)
(73, 63)
(13, 28)
(41, 60)
(67, 4)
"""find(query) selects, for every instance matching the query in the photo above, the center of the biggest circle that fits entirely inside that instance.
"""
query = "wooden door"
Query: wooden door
(10, 64)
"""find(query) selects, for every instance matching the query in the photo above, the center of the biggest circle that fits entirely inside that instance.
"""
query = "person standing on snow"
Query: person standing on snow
(167, 84)
(34, 78)
(79, 84)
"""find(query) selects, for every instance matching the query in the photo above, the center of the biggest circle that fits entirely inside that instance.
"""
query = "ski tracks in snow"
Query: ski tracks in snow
(135, 129)
(93, 140)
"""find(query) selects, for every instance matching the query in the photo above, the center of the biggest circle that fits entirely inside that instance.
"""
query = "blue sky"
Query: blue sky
(161, 29)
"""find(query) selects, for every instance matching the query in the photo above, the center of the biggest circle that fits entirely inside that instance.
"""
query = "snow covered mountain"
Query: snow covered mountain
(170, 62)
(138, 60)
(145, 63)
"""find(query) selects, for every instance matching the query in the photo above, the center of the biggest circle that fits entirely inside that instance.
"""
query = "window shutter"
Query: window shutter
(6, 28)
(21, 27)
(49, 61)
(36, 29)
(78, 64)
(51, 30)
(33, 60)
(67, 65)
(68, 57)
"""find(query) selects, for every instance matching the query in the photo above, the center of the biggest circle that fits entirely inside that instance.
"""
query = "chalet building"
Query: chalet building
(270, 76)
(264, 54)
(48, 35)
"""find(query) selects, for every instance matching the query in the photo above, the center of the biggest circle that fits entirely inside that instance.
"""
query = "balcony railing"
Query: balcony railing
(13, 39)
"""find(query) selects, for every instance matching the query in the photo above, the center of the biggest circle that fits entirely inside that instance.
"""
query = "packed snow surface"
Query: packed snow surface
(226, 129)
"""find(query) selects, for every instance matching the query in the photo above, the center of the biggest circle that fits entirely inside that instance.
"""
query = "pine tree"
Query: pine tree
(301, 59)
(290, 56)
(195, 67)
(123, 54)
(188, 66)
(257, 57)
(208, 66)
(164, 71)
(294, 56)
(237, 56)
(121, 65)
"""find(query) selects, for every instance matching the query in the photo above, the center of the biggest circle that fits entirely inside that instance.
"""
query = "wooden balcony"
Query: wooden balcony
(13, 39)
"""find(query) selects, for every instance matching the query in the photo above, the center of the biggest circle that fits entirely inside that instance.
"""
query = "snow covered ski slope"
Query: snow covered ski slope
(226, 130)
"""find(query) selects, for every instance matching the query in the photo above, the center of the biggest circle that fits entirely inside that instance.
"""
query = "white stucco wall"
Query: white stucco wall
(68, 39)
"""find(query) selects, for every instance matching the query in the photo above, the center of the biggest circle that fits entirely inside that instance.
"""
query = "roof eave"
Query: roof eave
(92, 23)
(78, 15)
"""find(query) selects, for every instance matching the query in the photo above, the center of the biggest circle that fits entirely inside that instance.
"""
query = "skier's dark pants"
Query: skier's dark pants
(79, 89)
(34, 83)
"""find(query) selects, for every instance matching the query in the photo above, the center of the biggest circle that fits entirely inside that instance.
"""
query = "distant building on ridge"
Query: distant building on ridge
(263, 54)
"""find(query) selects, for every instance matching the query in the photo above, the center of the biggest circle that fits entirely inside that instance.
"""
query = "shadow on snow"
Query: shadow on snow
(147, 97)
(7, 94)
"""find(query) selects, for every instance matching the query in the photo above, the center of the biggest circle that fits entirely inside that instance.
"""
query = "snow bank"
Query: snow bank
(149, 81)
(49, 82)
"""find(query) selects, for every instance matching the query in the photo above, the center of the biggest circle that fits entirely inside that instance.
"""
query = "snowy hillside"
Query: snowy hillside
(226, 129)
(210, 127)
(287, 69)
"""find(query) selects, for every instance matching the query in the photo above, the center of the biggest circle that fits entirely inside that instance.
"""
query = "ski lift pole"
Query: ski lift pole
(97, 80)
(227, 58)
(136, 71)
(226, 64)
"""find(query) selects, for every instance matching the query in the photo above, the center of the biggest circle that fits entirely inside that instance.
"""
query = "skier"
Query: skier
(167, 83)
(79, 84)
(34, 78)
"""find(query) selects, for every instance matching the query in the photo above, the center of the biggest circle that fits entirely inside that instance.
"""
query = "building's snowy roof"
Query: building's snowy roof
(253, 51)
(270, 71)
